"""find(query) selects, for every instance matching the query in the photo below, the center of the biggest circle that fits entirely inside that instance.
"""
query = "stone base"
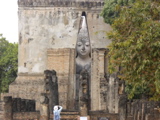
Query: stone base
(26, 116)
(67, 115)
(27, 86)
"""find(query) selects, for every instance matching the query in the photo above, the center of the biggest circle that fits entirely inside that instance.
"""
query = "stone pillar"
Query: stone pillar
(44, 108)
(102, 80)
(111, 94)
(99, 84)
(144, 109)
(51, 88)
(62, 61)
(95, 81)
(8, 114)
(122, 106)
(71, 81)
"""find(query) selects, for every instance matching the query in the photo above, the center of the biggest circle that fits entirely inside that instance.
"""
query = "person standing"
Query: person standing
(57, 112)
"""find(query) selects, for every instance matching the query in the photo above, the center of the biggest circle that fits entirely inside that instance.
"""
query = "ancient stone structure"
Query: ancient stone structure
(67, 36)
(48, 34)
(51, 88)
(23, 105)
(17, 109)
(45, 107)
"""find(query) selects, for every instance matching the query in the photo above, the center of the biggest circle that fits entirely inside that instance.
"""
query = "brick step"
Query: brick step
(129, 118)
(67, 116)
(1, 115)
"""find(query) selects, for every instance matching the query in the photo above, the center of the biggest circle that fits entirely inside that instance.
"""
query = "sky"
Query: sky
(9, 20)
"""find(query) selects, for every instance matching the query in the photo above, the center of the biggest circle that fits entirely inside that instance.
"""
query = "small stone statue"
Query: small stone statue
(57, 112)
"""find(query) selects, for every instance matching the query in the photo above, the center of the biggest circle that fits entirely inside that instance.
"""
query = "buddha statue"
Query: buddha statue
(83, 49)
(83, 59)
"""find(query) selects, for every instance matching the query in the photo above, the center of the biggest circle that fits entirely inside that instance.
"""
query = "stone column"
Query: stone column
(51, 88)
(71, 81)
(122, 106)
(44, 108)
(102, 81)
(111, 94)
(8, 114)
(95, 81)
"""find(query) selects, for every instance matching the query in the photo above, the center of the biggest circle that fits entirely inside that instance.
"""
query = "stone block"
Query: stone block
(83, 118)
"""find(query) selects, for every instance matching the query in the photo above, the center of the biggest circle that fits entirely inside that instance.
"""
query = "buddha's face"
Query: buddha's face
(83, 48)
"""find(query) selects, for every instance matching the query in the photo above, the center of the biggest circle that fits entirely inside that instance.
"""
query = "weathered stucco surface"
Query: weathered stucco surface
(48, 32)
(41, 28)
(47, 40)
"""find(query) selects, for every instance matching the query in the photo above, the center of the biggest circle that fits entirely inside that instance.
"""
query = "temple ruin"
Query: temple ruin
(62, 60)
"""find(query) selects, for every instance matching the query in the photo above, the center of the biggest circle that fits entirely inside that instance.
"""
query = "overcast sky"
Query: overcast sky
(9, 20)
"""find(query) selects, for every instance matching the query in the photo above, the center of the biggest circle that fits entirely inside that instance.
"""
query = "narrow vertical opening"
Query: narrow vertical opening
(24, 64)
(84, 13)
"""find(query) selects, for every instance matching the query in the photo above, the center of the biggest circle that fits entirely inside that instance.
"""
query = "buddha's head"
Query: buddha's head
(83, 43)
(83, 47)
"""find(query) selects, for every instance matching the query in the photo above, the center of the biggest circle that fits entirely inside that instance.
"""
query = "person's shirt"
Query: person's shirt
(57, 113)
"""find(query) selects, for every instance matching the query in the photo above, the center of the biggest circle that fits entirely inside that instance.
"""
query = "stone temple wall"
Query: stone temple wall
(48, 32)
(62, 60)
(42, 28)
(47, 39)
(136, 110)
(61, 3)
(27, 87)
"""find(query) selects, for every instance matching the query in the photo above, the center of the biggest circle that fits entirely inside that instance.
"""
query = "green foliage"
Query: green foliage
(8, 63)
(111, 9)
(136, 47)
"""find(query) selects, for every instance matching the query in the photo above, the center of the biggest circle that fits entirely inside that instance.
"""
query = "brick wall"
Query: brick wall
(62, 61)
(26, 116)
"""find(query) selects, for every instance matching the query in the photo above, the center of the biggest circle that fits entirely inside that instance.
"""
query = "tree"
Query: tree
(111, 9)
(135, 47)
(8, 63)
